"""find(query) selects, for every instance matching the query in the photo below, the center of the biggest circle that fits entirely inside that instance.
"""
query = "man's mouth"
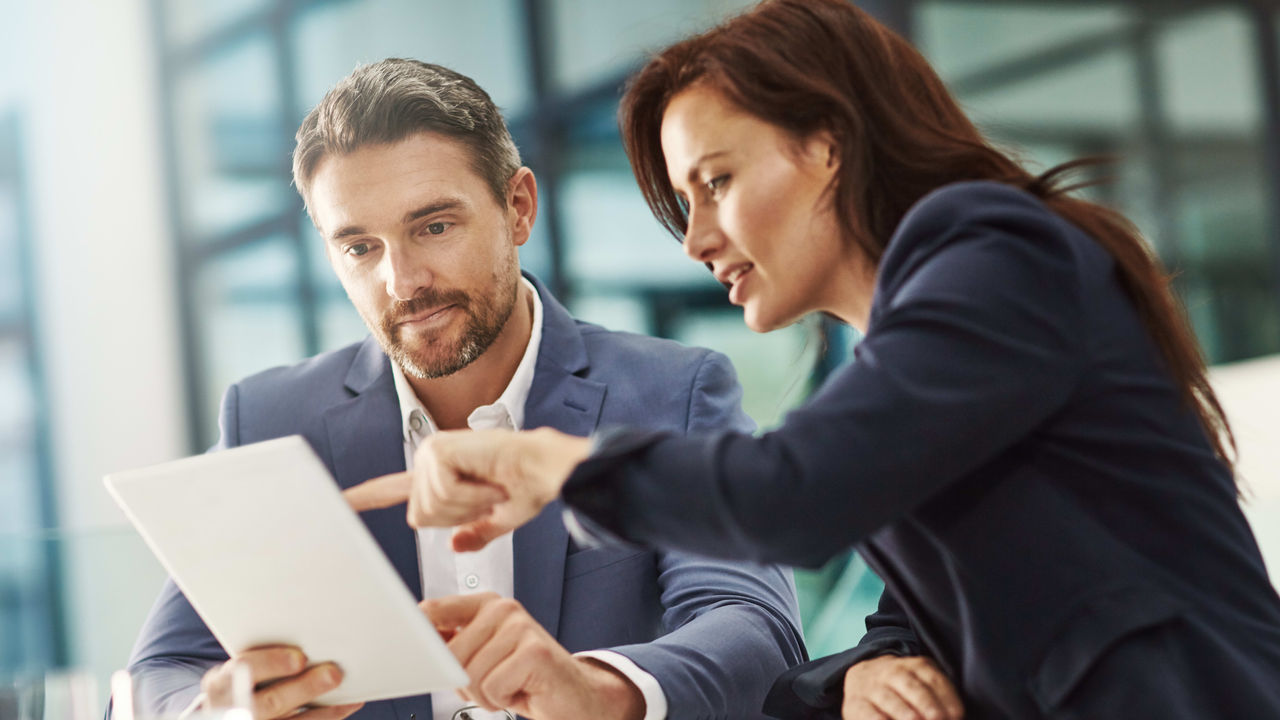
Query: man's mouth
(427, 316)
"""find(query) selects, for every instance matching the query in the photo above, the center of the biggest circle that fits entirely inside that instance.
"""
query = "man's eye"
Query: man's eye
(358, 249)
(436, 228)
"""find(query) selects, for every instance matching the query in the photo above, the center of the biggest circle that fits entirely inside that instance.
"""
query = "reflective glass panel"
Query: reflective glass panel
(480, 38)
(1208, 74)
(10, 271)
(593, 41)
(962, 38)
(233, 151)
(19, 502)
(248, 314)
(191, 20)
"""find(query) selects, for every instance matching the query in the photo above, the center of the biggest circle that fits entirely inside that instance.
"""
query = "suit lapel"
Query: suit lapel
(366, 441)
(558, 398)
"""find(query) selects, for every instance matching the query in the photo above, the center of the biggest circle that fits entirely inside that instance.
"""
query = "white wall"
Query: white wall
(1250, 393)
(105, 295)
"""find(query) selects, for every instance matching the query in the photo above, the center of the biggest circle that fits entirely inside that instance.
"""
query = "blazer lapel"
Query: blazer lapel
(558, 398)
(366, 441)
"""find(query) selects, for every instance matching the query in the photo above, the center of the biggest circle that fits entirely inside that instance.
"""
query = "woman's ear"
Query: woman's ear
(821, 149)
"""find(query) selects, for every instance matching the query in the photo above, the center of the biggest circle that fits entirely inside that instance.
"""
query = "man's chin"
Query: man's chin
(430, 368)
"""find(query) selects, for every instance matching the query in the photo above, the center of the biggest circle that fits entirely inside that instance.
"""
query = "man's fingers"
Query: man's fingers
(283, 697)
(455, 611)
(265, 664)
(453, 502)
(476, 534)
(332, 712)
(380, 492)
(505, 685)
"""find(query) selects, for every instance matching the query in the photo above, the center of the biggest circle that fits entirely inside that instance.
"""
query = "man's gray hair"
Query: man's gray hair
(391, 100)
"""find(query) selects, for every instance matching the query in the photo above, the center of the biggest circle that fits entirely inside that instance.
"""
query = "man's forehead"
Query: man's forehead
(391, 182)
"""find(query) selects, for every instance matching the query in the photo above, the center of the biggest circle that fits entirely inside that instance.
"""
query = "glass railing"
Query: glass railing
(71, 604)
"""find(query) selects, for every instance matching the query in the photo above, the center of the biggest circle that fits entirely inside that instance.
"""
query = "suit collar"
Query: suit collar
(562, 399)
(370, 366)
(367, 442)
(562, 344)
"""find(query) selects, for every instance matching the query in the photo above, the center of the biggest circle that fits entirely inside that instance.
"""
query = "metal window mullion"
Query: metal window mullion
(1266, 22)
(54, 586)
(548, 142)
(185, 261)
(287, 81)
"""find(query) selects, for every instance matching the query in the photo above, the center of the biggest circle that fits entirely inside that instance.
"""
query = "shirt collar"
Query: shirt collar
(415, 421)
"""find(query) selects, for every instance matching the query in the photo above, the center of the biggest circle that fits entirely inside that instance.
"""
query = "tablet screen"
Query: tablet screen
(263, 545)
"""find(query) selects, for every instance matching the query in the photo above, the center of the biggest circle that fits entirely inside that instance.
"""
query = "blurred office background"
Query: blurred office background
(152, 250)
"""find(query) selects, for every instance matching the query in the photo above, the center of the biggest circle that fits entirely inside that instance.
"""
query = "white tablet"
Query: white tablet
(262, 543)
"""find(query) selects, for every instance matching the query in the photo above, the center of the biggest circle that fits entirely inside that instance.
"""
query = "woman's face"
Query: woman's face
(760, 212)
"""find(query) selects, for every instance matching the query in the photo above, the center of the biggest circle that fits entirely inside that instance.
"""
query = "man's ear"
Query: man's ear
(522, 204)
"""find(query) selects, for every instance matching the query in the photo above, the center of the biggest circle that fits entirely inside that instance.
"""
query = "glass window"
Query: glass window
(27, 605)
(962, 38)
(613, 241)
(233, 153)
(247, 311)
(1053, 104)
(10, 277)
(593, 41)
(1208, 74)
(19, 505)
(190, 20)
(774, 368)
(480, 38)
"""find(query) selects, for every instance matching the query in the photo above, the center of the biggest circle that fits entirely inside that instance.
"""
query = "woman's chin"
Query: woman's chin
(758, 321)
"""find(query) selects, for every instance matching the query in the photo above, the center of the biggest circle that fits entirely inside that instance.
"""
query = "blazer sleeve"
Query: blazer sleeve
(175, 648)
(729, 628)
(974, 341)
(816, 689)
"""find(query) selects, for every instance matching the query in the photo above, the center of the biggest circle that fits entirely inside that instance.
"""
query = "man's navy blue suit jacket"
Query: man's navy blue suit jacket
(1009, 454)
(714, 634)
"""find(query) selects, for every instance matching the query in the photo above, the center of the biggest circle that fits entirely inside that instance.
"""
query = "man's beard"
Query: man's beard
(485, 318)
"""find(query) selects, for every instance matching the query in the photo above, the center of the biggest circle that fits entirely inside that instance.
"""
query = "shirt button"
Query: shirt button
(472, 581)
(416, 421)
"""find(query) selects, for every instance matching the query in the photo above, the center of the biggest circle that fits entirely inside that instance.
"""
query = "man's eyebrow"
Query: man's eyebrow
(425, 210)
(432, 209)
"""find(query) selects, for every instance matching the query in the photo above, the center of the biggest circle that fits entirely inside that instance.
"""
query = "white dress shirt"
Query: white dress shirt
(445, 572)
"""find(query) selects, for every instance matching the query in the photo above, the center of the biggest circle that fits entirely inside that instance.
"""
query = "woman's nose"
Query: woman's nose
(702, 238)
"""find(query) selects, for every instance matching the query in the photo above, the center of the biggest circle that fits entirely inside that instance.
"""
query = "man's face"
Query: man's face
(423, 249)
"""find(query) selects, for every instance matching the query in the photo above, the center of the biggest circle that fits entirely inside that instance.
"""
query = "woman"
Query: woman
(1026, 449)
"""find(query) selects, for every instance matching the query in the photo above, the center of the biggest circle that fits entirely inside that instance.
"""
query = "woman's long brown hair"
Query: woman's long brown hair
(824, 65)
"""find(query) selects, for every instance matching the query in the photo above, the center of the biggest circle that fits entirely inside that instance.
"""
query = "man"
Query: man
(411, 177)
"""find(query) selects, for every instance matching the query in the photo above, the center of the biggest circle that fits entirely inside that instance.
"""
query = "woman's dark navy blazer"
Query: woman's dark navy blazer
(1009, 455)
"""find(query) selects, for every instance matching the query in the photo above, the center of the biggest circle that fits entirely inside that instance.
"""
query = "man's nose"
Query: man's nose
(407, 274)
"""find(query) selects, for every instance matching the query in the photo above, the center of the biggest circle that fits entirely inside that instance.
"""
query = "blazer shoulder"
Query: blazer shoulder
(628, 353)
(984, 210)
(317, 378)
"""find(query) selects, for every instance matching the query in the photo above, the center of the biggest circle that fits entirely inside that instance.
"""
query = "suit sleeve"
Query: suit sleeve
(976, 343)
(729, 628)
(816, 689)
(174, 648)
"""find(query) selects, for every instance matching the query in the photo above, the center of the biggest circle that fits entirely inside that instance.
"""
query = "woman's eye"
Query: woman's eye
(717, 184)
(436, 228)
